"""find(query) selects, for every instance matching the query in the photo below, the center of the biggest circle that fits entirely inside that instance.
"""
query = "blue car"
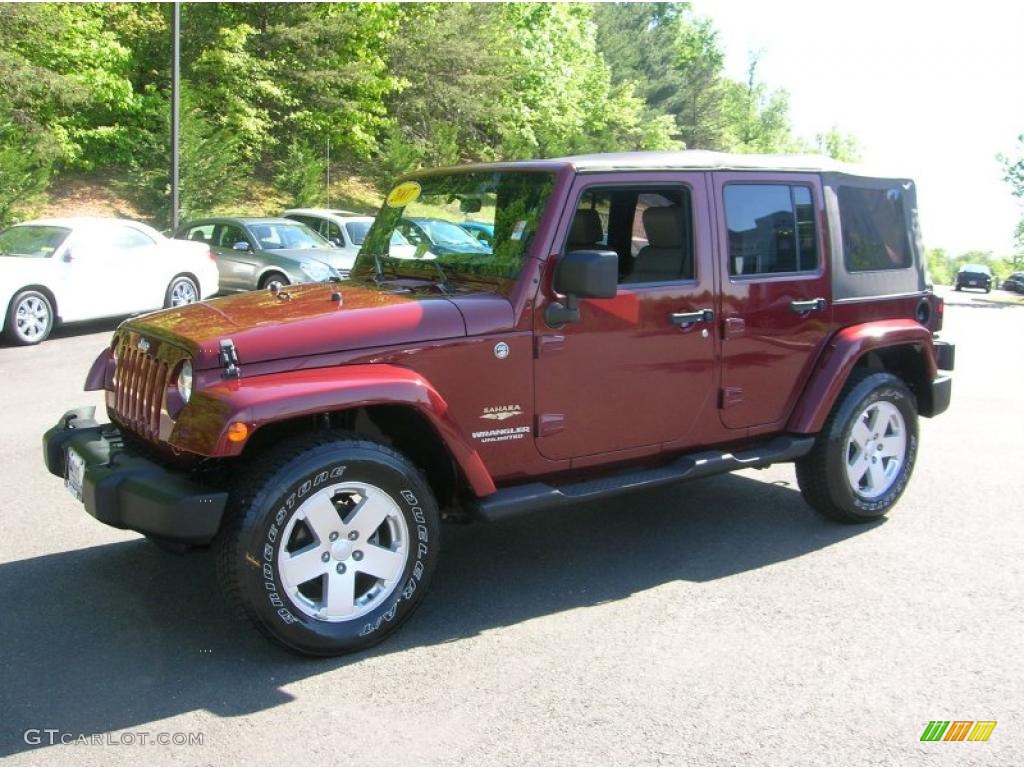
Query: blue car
(441, 237)
(481, 231)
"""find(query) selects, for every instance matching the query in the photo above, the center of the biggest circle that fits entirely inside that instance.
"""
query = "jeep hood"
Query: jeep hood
(302, 321)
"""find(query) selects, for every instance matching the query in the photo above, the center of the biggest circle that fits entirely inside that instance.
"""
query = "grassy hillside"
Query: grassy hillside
(113, 194)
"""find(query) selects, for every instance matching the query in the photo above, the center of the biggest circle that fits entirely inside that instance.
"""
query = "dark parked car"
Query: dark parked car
(256, 253)
(1014, 282)
(779, 312)
(974, 276)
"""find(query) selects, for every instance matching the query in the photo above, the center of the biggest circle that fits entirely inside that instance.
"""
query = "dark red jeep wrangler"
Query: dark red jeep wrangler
(634, 320)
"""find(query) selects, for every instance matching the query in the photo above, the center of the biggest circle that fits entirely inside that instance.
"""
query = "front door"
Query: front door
(776, 298)
(639, 369)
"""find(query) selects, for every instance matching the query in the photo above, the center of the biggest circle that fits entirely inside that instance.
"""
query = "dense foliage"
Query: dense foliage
(268, 86)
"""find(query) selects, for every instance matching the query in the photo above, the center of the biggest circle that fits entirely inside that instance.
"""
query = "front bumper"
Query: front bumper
(126, 490)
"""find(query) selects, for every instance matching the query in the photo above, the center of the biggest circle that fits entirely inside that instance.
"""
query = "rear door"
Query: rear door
(776, 300)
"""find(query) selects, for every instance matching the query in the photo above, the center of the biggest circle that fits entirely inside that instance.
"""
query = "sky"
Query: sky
(933, 91)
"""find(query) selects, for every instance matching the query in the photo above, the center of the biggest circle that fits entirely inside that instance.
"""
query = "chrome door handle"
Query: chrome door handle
(685, 318)
(813, 305)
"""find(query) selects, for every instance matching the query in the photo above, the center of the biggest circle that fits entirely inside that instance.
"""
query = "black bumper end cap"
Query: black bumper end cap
(126, 490)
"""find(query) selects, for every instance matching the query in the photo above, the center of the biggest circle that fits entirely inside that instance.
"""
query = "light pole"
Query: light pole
(175, 109)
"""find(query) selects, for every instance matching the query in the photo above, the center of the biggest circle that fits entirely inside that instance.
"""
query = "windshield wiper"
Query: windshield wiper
(445, 284)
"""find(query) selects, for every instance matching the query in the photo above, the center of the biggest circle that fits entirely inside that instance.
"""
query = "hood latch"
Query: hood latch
(229, 359)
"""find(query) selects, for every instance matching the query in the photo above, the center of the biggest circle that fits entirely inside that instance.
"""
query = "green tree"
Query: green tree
(758, 117)
(26, 165)
(838, 145)
(301, 175)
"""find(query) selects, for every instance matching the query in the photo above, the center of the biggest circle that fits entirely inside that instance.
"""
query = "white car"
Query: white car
(347, 231)
(63, 270)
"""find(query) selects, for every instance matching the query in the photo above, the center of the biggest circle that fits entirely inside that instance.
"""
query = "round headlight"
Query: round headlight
(185, 381)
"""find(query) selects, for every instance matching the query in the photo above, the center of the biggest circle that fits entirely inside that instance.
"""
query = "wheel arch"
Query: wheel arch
(901, 347)
(271, 269)
(186, 273)
(400, 426)
(392, 404)
(46, 291)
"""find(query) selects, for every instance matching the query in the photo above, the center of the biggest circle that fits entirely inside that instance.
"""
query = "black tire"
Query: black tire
(263, 525)
(176, 286)
(822, 474)
(272, 277)
(39, 330)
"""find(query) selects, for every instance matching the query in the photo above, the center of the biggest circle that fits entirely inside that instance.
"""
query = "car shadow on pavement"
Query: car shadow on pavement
(116, 636)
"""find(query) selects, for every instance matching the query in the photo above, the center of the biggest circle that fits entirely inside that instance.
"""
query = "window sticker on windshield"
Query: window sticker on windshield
(518, 229)
(403, 194)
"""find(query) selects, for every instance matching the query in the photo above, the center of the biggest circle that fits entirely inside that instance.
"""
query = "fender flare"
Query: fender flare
(261, 400)
(841, 355)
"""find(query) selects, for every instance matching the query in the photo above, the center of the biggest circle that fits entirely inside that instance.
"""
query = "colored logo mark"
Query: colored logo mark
(958, 730)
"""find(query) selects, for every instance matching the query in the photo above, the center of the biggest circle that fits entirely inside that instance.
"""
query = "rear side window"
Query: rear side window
(128, 239)
(874, 228)
(771, 229)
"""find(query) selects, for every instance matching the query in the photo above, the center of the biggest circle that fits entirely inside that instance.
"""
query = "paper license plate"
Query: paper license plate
(75, 473)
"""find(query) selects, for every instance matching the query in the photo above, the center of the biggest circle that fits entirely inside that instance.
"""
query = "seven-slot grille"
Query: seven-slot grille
(141, 377)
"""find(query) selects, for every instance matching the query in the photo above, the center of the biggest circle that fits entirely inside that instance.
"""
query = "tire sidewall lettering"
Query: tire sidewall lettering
(278, 606)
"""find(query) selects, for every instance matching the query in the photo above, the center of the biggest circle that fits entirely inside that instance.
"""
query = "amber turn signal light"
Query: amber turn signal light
(237, 431)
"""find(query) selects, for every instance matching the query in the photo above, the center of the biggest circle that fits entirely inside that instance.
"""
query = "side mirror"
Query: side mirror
(336, 242)
(241, 245)
(582, 275)
(67, 257)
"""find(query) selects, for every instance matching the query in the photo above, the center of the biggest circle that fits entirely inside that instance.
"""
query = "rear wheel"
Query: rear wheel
(29, 318)
(182, 290)
(329, 544)
(863, 458)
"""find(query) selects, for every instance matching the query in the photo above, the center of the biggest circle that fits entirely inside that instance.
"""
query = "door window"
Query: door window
(651, 229)
(202, 234)
(771, 229)
(332, 232)
(228, 235)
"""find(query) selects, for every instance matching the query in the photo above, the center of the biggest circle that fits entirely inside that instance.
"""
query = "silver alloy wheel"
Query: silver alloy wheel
(275, 284)
(343, 551)
(31, 319)
(183, 292)
(876, 450)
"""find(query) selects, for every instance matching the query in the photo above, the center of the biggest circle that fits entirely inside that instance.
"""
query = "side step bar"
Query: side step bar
(534, 497)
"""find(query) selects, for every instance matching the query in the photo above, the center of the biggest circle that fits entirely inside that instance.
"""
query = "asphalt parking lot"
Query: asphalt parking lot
(716, 622)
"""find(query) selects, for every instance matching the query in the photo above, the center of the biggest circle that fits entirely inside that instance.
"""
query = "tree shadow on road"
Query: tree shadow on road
(120, 635)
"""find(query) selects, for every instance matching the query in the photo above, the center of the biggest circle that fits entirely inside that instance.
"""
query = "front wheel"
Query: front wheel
(29, 318)
(329, 544)
(863, 458)
(275, 281)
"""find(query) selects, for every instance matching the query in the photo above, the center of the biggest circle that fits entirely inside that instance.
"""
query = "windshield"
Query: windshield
(279, 236)
(428, 211)
(32, 241)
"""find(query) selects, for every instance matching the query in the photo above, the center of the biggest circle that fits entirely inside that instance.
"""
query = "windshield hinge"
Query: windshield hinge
(229, 359)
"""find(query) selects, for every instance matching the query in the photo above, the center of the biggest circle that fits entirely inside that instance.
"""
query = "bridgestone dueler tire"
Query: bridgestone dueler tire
(267, 497)
(822, 474)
